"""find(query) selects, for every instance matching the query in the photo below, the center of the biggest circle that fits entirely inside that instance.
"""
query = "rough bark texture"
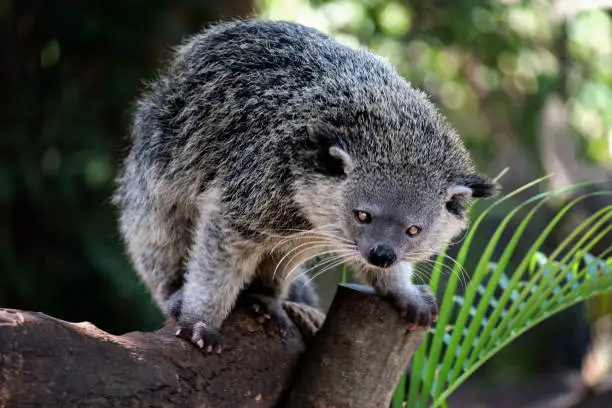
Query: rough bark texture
(46, 362)
(358, 355)
(355, 360)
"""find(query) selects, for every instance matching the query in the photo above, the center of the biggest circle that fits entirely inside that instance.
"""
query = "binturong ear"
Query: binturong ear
(460, 194)
(458, 198)
(476, 186)
(331, 156)
(343, 157)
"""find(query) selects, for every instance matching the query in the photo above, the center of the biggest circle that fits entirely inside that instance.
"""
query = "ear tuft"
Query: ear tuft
(479, 186)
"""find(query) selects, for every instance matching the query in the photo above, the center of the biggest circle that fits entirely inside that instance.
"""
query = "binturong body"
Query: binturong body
(264, 144)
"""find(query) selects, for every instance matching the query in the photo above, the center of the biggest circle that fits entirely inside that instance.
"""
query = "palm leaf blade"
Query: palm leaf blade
(495, 307)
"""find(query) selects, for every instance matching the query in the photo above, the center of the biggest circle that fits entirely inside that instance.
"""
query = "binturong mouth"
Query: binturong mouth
(381, 256)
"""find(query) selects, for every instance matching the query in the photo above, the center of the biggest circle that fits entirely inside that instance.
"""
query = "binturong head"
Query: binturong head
(408, 218)
(391, 184)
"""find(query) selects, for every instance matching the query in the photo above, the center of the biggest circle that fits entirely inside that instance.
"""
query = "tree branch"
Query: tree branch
(355, 360)
(357, 357)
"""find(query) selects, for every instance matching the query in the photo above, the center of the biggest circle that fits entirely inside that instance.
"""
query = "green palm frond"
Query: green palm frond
(500, 304)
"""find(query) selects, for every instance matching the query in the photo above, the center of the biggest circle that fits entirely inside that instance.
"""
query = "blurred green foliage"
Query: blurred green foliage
(70, 72)
(501, 303)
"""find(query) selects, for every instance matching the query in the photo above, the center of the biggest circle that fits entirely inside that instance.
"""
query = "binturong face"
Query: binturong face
(389, 205)
(407, 217)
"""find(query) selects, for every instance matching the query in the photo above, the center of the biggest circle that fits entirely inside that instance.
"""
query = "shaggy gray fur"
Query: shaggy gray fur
(258, 131)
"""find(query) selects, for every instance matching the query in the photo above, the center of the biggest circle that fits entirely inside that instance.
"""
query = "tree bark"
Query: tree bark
(357, 357)
(355, 360)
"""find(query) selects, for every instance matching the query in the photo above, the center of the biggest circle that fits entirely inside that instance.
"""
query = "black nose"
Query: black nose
(382, 256)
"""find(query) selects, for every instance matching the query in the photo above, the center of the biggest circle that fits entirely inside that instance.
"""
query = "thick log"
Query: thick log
(357, 357)
(47, 362)
(355, 360)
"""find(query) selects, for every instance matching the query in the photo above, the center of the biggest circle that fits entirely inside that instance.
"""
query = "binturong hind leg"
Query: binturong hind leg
(157, 239)
(267, 308)
(267, 292)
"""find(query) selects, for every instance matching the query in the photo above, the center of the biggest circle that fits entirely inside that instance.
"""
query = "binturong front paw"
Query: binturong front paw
(195, 331)
(201, 334)
(418, 306)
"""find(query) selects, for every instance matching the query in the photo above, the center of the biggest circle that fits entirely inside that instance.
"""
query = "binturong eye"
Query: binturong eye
(413, 230)
(363, 217)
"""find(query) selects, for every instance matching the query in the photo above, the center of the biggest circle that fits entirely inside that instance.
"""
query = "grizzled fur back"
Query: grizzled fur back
(216, 114)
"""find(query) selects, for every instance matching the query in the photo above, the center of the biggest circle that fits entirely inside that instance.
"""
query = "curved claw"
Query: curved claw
(202, 335)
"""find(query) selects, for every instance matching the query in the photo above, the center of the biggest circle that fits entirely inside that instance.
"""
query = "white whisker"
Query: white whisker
(308, 246)
(313, 234)
(328, 268)
(465, 233)
(462, 270)
(417, 274)
(447, 269)
(301, 233)
(339, 254)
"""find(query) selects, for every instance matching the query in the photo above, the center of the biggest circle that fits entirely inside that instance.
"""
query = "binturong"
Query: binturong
(263, 145)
